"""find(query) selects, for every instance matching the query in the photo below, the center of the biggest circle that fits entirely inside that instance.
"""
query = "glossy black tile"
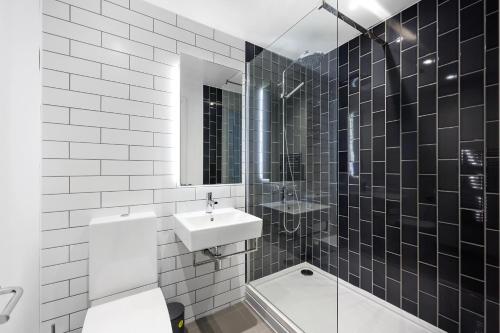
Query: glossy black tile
(492, 103)
(409, 174)
(409, 258)
(427, 277)
(448, 47)
(492, 67)
(409, 62)
(472, 89)
(393, 81)
(426, 12)
(472, 295)
(354, 59)
(448, 244)
(343, 54)
(409, 90)
(365, 45)
(427, 69)
(379, 256)
(449, 269)
(471, 158)
(448, 79)
(427, 191)
(427, 159)
(427, 40)
(427, 100)
(427, 249)
(471, 322)
(409, 146)
(427, 129)
(409, 230)
(393, 268)
(392, 107)
(393, 160)
(378, 98)
(472, 224)
(492, 146)
(378, 76)
(471, 123)
(427, 215)
(448, 175)
(392, 55)
(447, 16)
(472, 55)
(471, 195)
(492, 31)
(448, 143)
(448, 206)
(365, 66)
(379, 149)
(409, 33)
(409, 286)
(449, 301)
(472, 260)
(471, 21)
(492, 175)
(409, 118)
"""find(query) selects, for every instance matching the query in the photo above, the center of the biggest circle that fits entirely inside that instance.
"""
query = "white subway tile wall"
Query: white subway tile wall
(110, 146)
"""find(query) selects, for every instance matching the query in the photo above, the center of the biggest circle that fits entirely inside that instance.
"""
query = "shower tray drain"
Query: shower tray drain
(306, 272)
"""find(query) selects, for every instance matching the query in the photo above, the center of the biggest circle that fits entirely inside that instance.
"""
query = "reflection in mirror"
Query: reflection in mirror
(211, 118)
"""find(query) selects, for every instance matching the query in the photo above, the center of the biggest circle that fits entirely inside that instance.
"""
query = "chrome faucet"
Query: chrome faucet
(210, 203)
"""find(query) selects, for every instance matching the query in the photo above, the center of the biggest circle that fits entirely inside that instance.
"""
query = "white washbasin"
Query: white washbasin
(200, 230)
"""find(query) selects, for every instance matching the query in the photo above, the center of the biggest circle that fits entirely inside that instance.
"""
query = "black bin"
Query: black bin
(176, 313)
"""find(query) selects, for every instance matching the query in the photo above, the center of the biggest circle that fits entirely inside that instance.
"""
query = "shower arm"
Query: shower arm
(325, 5)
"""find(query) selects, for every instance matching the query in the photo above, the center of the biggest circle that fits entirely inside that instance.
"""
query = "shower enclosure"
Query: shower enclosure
(349, 127)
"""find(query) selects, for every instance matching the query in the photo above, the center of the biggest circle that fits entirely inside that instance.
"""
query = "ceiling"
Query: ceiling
(268, 23)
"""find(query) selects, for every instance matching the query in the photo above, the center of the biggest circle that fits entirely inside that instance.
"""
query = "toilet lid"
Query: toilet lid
(140, 313)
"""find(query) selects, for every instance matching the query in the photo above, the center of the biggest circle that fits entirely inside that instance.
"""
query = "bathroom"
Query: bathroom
(249, 166)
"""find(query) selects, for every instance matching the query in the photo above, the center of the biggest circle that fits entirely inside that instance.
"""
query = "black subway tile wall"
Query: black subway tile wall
(413, 177)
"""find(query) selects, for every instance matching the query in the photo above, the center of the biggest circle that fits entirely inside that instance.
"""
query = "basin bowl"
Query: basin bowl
(200, 230)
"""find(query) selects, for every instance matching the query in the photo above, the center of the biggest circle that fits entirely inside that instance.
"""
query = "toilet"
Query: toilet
(124, 296)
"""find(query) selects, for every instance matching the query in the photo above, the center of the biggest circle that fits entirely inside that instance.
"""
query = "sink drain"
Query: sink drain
(306, 272)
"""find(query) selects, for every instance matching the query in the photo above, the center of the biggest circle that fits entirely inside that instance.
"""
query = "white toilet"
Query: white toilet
(123, 289)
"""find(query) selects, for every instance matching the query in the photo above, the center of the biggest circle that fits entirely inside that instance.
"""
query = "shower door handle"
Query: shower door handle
(16, 292)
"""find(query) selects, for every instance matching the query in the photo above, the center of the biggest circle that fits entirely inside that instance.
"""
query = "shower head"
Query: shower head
(310, 58)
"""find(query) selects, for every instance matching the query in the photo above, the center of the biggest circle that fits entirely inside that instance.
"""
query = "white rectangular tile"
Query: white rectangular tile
(92, 5)
(171, 250)
(79, 251)
(166, 57)
(55, 149)
(194, 284)
(151, 124)
(165, 140)
(174, 32)
(56, 220)
(99, 119)
(151, 153)
(55, 185)
(123, 3)
(66, 305)
(164, 112)
(60, 202)
(55, 79)
(164, 167)
(163, 84)
(99, 54)
(59, 97)
(229, 40)
(126, 76)
(151, 182)
(61, 323)
(57, 167)
(229, 62)
(177, 194)
(152, 67)
(127, 167)
(211, 45)
(64, 272)
(56, 8)
(99, 87)
(124, 106)
(54, 291)
(70, 30)
(153, 11)
(198, 28)
(99, 183)
(64, 63)
(76, 320)
(229, 296)
(92, 151)
(127, 46)
(190, 206)
(99, 22)
(125, 15)
(55, 43)
(194, 51)
(237, 54)
(127, 137)
(54, 256)
(60, 132)
(217, 192)
(78, 285)
(212, 290)
(151, 96)
(153, 39)
(177, 275)
(61, 237)
(126, 198)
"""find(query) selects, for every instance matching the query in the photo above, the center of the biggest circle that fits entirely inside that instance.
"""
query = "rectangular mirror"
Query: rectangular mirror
(211, 122)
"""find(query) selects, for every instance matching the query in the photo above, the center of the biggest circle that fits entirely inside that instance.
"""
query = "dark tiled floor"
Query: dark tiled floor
(239, 318)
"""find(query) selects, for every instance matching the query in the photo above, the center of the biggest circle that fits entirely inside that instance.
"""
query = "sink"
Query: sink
(200, 230)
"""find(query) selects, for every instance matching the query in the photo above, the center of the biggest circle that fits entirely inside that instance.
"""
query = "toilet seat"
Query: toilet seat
(145, 312)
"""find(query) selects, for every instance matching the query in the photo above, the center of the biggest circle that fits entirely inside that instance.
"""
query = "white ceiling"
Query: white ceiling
(262, 22)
